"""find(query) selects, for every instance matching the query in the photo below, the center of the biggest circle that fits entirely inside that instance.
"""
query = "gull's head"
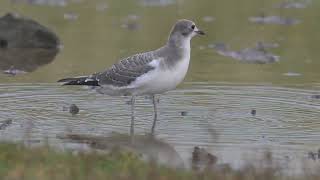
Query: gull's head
(184, 30)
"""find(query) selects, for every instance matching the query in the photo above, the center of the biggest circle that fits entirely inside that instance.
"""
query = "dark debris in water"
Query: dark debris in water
(258, 54)
(253, 112)
(184, 113)
(314, 155)
(73, 109)
(5, 124)
(262, 19)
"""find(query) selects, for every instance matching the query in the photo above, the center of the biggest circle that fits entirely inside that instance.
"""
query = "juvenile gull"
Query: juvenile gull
(148, 73)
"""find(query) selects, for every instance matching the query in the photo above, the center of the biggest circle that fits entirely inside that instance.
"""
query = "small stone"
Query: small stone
(253, 112)
(212, 159)
(5, 124)
(316, 96)
(196, 154)
(73, 109)
(312, 155)
(184, 113)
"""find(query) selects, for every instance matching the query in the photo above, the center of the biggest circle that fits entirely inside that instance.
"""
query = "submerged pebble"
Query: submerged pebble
(253, 112)
(184, 113)
(73, 109)
(5, 124)
(311, 155)
(314, 155)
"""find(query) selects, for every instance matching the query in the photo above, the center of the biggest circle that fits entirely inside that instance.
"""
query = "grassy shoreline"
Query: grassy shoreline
(20, 162)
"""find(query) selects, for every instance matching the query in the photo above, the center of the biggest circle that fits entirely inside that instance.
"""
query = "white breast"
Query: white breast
(161, 80)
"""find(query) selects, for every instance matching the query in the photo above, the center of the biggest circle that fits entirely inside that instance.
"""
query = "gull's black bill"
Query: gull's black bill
(200, 32)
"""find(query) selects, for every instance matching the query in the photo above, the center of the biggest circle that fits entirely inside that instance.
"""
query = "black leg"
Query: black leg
(155, 115)
(132, 117)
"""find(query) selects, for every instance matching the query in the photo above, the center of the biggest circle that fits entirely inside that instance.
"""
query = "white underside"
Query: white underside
(161, 80)
(156, 81)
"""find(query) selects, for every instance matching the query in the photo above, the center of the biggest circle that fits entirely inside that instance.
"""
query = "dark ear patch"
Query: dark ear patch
(185, 33)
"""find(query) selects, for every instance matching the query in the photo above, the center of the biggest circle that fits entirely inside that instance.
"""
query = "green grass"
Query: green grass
(43, 163)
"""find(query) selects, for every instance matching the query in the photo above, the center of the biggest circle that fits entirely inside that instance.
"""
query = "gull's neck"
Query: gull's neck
(179, 42)
(176, 50)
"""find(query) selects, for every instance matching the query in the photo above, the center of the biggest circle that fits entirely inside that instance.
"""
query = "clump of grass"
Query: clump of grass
(43, 163)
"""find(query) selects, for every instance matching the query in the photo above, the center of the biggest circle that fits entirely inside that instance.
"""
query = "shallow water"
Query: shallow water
(218, 117)
(218, 95)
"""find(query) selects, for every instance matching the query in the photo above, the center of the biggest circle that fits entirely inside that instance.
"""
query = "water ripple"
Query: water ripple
(218, 116)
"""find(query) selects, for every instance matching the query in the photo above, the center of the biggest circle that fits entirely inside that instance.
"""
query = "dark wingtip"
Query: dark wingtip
(78, 81)
(61, 80)
(65, 79)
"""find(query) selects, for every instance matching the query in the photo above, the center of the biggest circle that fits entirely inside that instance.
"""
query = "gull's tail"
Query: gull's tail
(83, 80)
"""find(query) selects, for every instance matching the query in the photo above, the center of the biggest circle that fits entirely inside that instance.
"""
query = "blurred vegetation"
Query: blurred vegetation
(19, 162)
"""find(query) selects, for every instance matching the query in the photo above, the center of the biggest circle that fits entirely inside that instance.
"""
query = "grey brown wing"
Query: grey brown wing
(126, 71)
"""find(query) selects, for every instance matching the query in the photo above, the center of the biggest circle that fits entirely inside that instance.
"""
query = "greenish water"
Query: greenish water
(96, 39)
(218, 92)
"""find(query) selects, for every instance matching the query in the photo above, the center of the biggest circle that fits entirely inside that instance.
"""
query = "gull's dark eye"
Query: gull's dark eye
(193, 26)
